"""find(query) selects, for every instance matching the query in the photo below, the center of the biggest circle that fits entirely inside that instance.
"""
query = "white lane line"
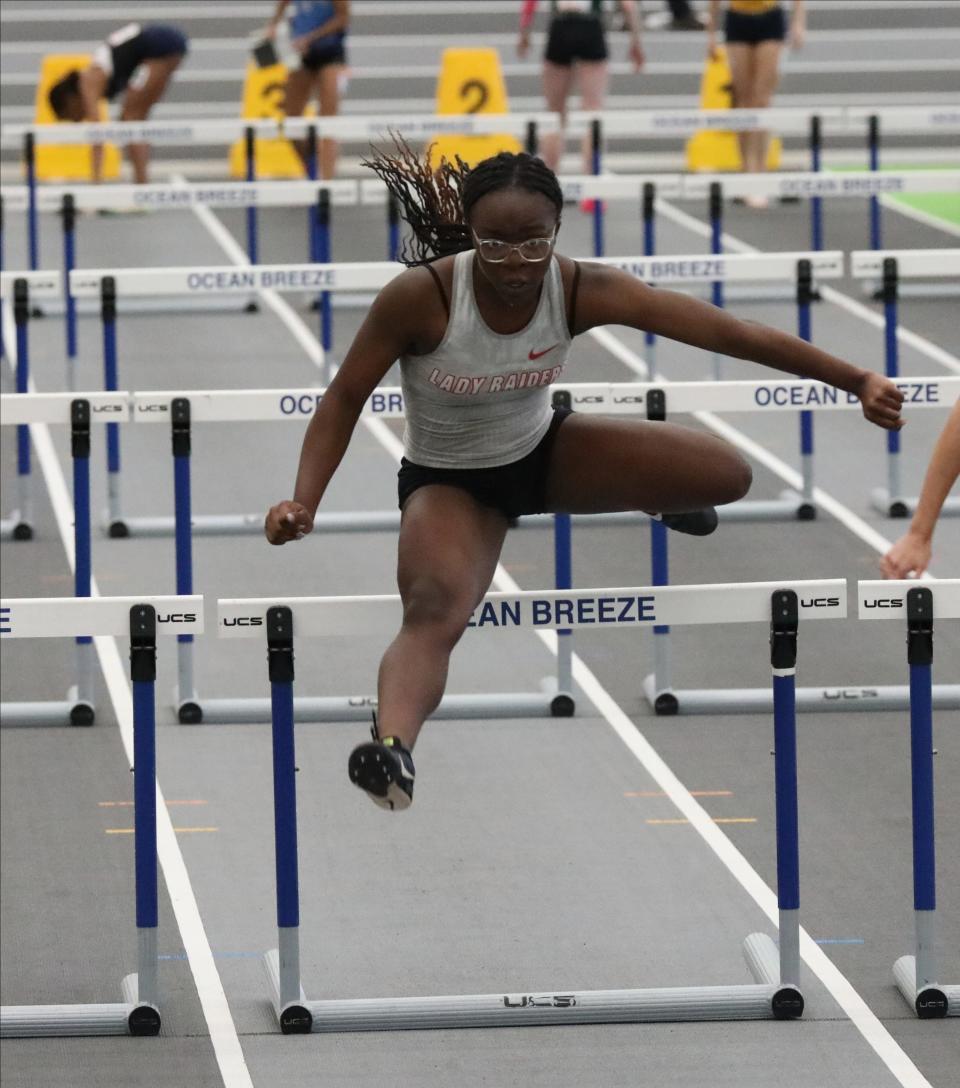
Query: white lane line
(856, 1009)
(213, 1000)
(831, 294)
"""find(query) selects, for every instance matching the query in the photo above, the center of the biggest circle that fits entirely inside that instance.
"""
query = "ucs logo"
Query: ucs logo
(243, 621)
(821, 602)
(178, 617)
(539, 1001)
(884, 602)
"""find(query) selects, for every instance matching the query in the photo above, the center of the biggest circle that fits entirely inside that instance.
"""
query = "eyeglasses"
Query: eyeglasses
(532, 250)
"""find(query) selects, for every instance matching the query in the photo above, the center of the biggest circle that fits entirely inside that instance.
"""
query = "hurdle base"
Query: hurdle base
(524, 1009)
(335, 708)
(72, 711)
(667, 701)
(881, 501)
(130, 1017)
(790, 506)
(934, 1001)
(15, 528)
(905, 507)
(913, 290)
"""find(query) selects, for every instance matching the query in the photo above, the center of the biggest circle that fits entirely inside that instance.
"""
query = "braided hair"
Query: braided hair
(437, 203)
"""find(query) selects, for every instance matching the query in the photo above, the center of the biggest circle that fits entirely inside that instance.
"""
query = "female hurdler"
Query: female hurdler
(480, 332)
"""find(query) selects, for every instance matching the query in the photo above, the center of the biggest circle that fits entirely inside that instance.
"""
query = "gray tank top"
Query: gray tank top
(482, 398)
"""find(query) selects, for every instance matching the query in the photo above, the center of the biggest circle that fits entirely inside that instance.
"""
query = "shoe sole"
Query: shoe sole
(376, 776)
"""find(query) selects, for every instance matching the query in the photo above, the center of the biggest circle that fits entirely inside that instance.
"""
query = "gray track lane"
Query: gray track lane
(495, 849)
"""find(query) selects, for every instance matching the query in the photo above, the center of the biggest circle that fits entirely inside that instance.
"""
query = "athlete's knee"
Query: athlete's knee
(437, 604)
(736, 476)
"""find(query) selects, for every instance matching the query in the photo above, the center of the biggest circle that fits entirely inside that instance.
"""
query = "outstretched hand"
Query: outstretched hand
(909, 556)
(881, 401)
(287, 521)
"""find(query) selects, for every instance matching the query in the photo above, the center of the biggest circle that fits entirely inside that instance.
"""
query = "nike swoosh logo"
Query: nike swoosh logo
(536, 354)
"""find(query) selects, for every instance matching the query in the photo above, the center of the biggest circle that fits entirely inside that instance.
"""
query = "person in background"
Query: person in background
(576, 48)
(318, 31)
(136, 59)
(755, 31)
(911, 553)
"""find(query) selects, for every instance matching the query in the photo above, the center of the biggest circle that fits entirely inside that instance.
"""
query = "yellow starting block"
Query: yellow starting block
(471, 82)
(263, 98)
(67, 162)
(720, 150)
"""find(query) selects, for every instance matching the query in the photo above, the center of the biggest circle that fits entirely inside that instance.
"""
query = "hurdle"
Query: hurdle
(68, 201)
(916, 976)
(892, 266)
(776, 991)
(141, 619)
(113, 286)
(16, 289)
(80, 413)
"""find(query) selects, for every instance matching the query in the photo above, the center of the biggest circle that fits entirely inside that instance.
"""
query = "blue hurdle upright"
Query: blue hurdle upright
(136, 618)
(776, 991)
(917, 976)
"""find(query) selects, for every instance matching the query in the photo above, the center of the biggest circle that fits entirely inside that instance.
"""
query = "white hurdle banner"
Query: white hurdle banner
(356, 276)
(163, 196)
(887, 600)
(620, 398)
(855, 183)
(62, 617)
(911, 263)
(676, 123)
(747, 602)
(39, 284)
(160, 196)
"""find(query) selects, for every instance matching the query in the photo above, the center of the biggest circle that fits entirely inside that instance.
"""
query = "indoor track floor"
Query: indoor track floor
(540, 854)
(533, 857)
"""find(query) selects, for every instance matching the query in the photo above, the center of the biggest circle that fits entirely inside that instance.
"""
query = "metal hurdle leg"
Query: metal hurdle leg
(916, 976)
(775, 993)
(185, 697)
(78, 708)
(68, 213)
(19, 526)
(138, 1013)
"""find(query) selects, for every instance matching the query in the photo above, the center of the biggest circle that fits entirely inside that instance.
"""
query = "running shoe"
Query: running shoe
(383, 769)
(693, 522)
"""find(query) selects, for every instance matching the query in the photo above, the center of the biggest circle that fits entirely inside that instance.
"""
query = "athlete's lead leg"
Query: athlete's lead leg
(601, 465)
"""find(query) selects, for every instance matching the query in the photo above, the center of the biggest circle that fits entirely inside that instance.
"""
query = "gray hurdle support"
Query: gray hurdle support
(891, 267)
(919, 606)
(140, 619)
(18, 291)
(80, 412)
(776, 989)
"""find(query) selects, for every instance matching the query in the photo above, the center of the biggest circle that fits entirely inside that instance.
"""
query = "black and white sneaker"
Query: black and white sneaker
(693, 522)
(383, 769)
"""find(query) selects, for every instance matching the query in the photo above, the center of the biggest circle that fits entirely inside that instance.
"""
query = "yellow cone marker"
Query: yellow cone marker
(471, 82)
(709, 150)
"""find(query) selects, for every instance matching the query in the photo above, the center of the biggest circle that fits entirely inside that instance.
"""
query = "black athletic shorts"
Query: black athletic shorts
(514, 489)
(574, 36)
(768, 26)
(320, 55)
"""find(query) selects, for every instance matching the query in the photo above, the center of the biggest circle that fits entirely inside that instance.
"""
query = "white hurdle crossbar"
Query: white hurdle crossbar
(776, 989)
(140, 619)
(890, 267)
(920, 606)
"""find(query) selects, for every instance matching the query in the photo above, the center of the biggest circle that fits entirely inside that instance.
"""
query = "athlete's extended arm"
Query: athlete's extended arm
(93, 86)
(384, 335)
(911, 553)
(608, 296)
